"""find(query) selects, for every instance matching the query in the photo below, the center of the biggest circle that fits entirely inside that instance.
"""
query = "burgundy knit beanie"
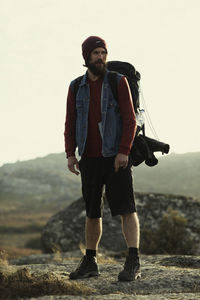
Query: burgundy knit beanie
(90, 44)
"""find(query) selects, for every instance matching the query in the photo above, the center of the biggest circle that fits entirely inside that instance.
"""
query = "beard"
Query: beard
(97, 68)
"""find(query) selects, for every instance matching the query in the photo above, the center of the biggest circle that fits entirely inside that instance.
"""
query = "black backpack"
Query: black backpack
(132, 76)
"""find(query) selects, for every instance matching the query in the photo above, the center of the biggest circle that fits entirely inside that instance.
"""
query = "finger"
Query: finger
(116, 166)
(77, 166)
(72, 169)
(125, 166)
(75, 172)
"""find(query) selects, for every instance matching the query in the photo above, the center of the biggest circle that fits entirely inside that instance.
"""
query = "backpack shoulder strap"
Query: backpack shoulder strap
(113, 80)
(75, 84)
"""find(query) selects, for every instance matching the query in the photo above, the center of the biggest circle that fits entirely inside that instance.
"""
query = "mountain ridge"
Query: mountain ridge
(49, 176)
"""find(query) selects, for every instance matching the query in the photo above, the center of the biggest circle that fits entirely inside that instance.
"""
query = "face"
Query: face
(97, 61)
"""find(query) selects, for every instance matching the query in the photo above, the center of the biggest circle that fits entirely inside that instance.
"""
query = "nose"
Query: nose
(100, 55)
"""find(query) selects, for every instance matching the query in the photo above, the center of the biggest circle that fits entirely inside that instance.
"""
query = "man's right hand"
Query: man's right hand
(72, 163)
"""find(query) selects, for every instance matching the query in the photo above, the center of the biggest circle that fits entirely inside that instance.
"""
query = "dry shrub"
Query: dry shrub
(3, 257)
(171, 236)
(106, 260)
(23, 283)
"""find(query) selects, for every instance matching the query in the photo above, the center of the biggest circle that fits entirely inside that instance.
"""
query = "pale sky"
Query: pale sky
(40, 46)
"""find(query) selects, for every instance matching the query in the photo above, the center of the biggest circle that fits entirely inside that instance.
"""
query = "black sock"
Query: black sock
(90, 252)
(133, 251)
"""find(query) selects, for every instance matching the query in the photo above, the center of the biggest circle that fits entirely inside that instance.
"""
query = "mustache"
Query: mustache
(100, 61)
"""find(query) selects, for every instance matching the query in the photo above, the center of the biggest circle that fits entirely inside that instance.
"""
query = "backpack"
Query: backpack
(132, 76)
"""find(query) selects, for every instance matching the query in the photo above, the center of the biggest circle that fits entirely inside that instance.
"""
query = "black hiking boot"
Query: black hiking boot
(87, 268)
(131, 269)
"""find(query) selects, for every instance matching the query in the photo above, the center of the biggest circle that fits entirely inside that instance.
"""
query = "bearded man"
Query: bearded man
(103, 129)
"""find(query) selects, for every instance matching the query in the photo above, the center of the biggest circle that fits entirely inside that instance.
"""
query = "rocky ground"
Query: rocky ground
(46, 277)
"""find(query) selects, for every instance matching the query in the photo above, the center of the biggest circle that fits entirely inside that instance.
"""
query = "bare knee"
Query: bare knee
(130, 217)
(93, 221)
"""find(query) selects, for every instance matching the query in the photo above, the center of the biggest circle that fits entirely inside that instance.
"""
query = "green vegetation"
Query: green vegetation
(171, 236)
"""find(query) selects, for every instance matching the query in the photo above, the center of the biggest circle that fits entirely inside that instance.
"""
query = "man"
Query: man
(103, 129)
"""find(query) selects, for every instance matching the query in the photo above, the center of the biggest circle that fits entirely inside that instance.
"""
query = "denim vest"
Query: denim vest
(110, 126)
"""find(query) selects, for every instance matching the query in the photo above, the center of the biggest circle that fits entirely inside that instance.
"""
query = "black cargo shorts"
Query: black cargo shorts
(99, 171)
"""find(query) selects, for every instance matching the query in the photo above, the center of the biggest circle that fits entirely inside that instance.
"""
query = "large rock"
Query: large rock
(65, 230)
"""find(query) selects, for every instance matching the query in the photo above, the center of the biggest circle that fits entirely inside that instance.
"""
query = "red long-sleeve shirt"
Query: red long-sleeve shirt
(93, 146)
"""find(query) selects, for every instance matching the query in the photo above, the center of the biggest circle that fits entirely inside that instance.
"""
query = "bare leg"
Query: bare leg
(93, 232)
(131, 229)
(88, 265)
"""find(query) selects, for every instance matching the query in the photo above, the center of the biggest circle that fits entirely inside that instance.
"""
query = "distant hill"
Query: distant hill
(174, 174)
(45, 178)
(48, 179)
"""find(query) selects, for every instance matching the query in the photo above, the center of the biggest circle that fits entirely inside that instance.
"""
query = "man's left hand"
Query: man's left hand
(121, 161)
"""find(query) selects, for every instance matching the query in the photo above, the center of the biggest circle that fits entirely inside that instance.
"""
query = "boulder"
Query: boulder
(65, 230)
